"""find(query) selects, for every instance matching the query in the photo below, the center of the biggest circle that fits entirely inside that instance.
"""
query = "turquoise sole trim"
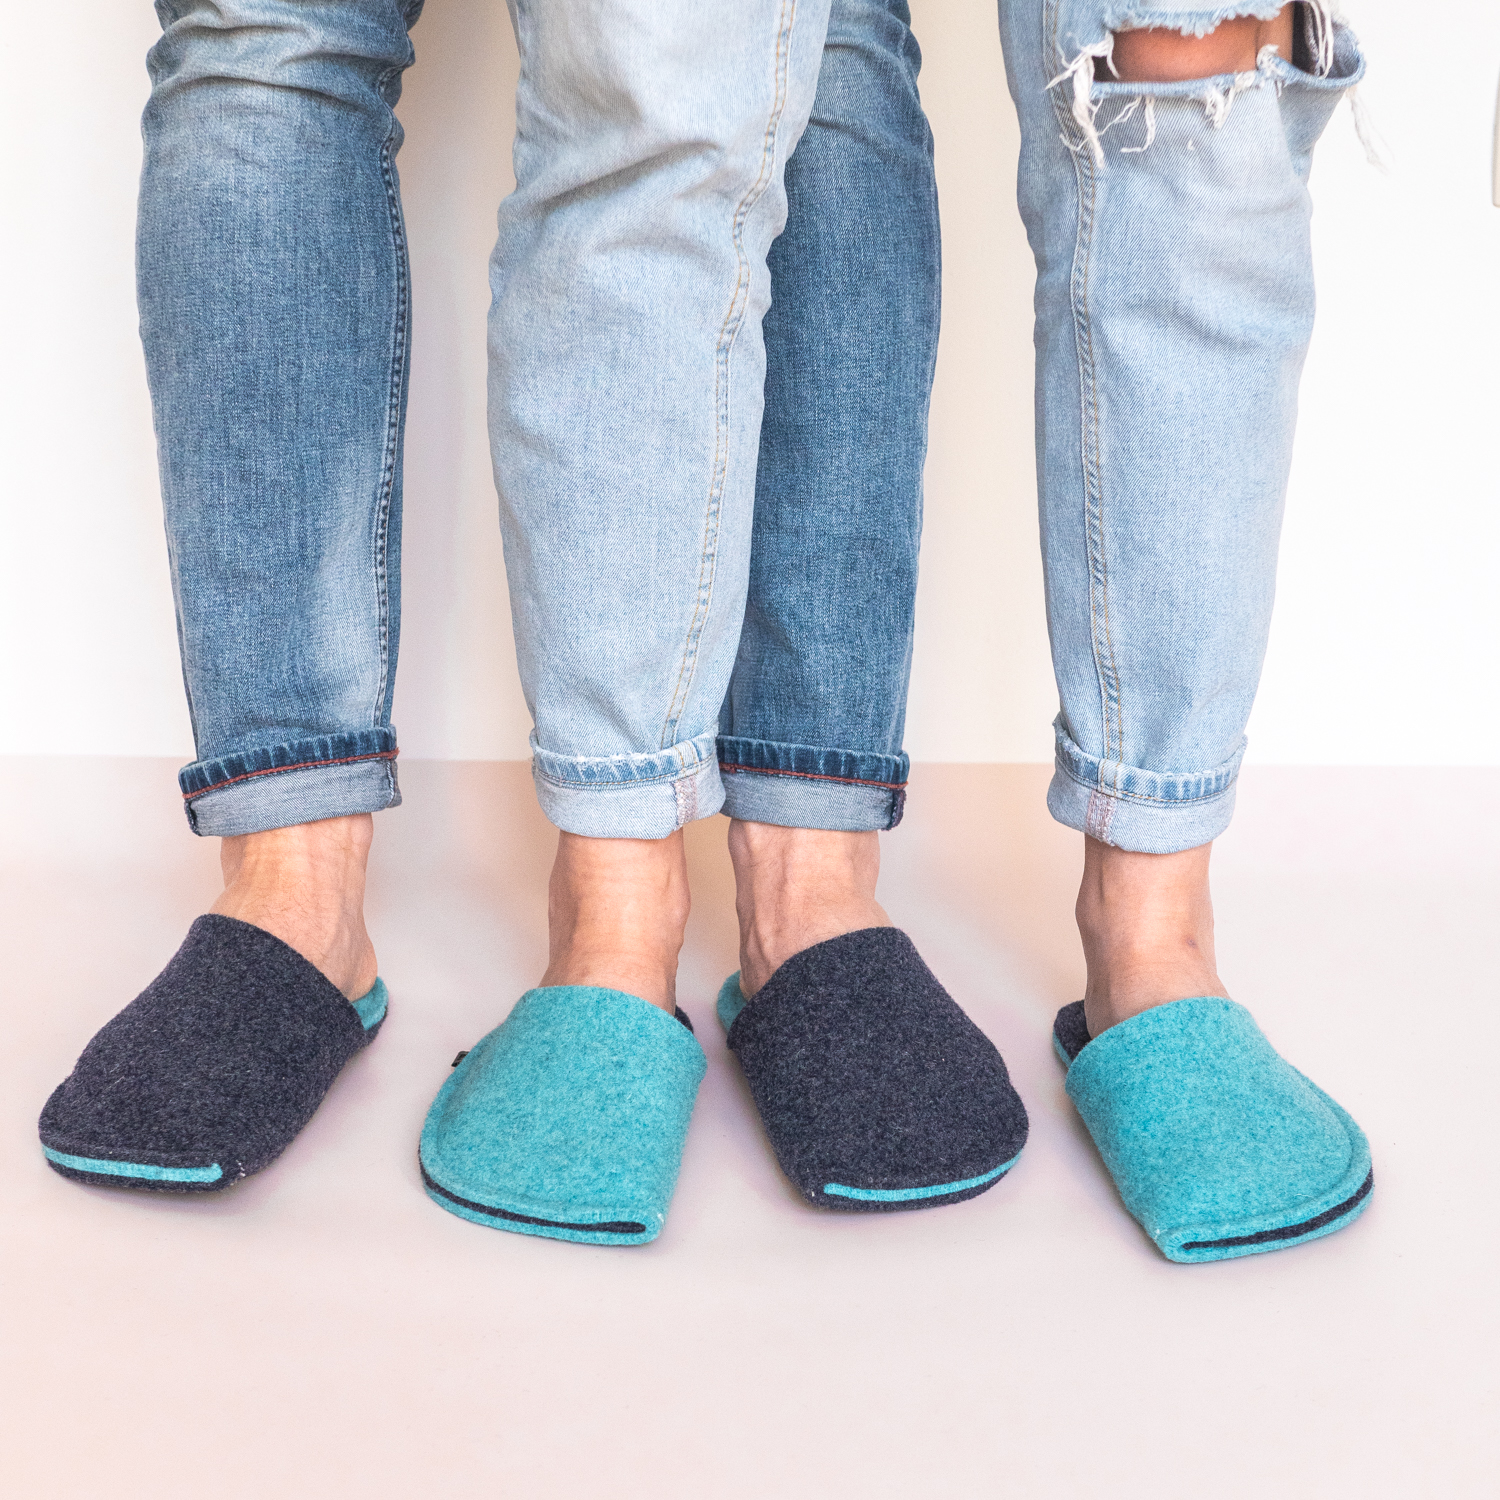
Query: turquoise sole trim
(371, 1008)
(906, 1195)
(134, 1168)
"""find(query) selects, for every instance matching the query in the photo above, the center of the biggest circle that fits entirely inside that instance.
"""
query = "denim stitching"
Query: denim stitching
(1103, 644)
(685, 796)
(1100, 814)
(733, 321)
(889, 786)
(1123, 795)
(629, 781)
(393, 410)
(684, 755)
(305, 765)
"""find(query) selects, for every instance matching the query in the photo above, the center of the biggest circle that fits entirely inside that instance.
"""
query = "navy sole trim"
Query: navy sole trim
(1289, 1231)
(622, 1226)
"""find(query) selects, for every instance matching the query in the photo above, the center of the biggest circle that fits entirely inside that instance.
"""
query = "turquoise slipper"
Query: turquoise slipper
(1219, 1147)
(568, 1119)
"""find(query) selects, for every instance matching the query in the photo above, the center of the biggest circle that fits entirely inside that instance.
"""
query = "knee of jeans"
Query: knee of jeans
(342, 50)
(1326, 63)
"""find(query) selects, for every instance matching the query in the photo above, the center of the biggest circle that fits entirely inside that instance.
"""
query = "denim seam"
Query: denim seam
(1110, 697)
(733, 321)
(934, 209)
(305, 765)
(889, 786)
(683, 774)
(399, 335)
(1116, 794)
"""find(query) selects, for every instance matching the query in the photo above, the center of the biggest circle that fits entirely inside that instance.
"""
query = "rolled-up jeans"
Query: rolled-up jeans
(630, 286)
(1174, 304)
(691, 630)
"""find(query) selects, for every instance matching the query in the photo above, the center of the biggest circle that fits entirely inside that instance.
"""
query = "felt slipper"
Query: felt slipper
(568, 1119)
(877, 1092)
(1218, 1146)
(209, 1074)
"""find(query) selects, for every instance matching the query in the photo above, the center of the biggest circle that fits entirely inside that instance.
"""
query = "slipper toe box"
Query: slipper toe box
(1218, 1146)
(877, 1092)
(210, 1073)
(568, 1120)
(104, 1131)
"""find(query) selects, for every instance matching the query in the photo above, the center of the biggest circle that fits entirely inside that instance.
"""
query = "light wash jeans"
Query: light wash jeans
(1174, 303)
(688, 631)
(631, 281)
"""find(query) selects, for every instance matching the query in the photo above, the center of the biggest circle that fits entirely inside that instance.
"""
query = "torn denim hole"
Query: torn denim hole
(1148, 119)
(1319, 19)
(1322, 18)
(1080, 73)
(1218, 98)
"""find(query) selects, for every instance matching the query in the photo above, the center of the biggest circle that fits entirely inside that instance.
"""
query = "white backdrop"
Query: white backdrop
(1382, 650)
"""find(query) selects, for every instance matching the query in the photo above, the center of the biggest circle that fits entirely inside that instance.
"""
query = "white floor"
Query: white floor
(323, 1330)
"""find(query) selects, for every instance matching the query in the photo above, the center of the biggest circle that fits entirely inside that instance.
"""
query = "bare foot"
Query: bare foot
(306, 885)
(616, 910)
(794, 887)
(1147, 923)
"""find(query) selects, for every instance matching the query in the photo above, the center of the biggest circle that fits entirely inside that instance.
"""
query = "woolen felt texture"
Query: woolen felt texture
(219, 1062)
(568, 1119)
(871, 1081)
(1219, 1147)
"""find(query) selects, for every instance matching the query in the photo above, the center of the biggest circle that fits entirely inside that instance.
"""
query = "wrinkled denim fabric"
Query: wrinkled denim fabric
(712, 608)
(1174, 304)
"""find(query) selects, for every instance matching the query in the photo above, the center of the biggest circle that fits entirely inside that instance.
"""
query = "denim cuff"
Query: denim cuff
(301, 781)
(628, 796)
(803, 786)
(1146, 812)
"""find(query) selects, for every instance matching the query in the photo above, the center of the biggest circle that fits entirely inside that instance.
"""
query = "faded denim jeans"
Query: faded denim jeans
(1174, 300)
(708, 440)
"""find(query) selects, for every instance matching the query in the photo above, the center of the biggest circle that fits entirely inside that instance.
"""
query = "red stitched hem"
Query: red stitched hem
(889, 786)
(306, 765)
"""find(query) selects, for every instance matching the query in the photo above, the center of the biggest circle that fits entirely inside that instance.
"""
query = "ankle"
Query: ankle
(330, 854)
(305, 884)
(796, 887)
(1146, 921)
(617, 911)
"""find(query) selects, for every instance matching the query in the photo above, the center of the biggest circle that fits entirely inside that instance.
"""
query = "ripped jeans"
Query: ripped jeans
(712, 610)
(1174, 303)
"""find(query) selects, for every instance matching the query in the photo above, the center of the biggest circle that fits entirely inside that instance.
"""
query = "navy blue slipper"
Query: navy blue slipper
(210, 1073)
(877, 1092)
